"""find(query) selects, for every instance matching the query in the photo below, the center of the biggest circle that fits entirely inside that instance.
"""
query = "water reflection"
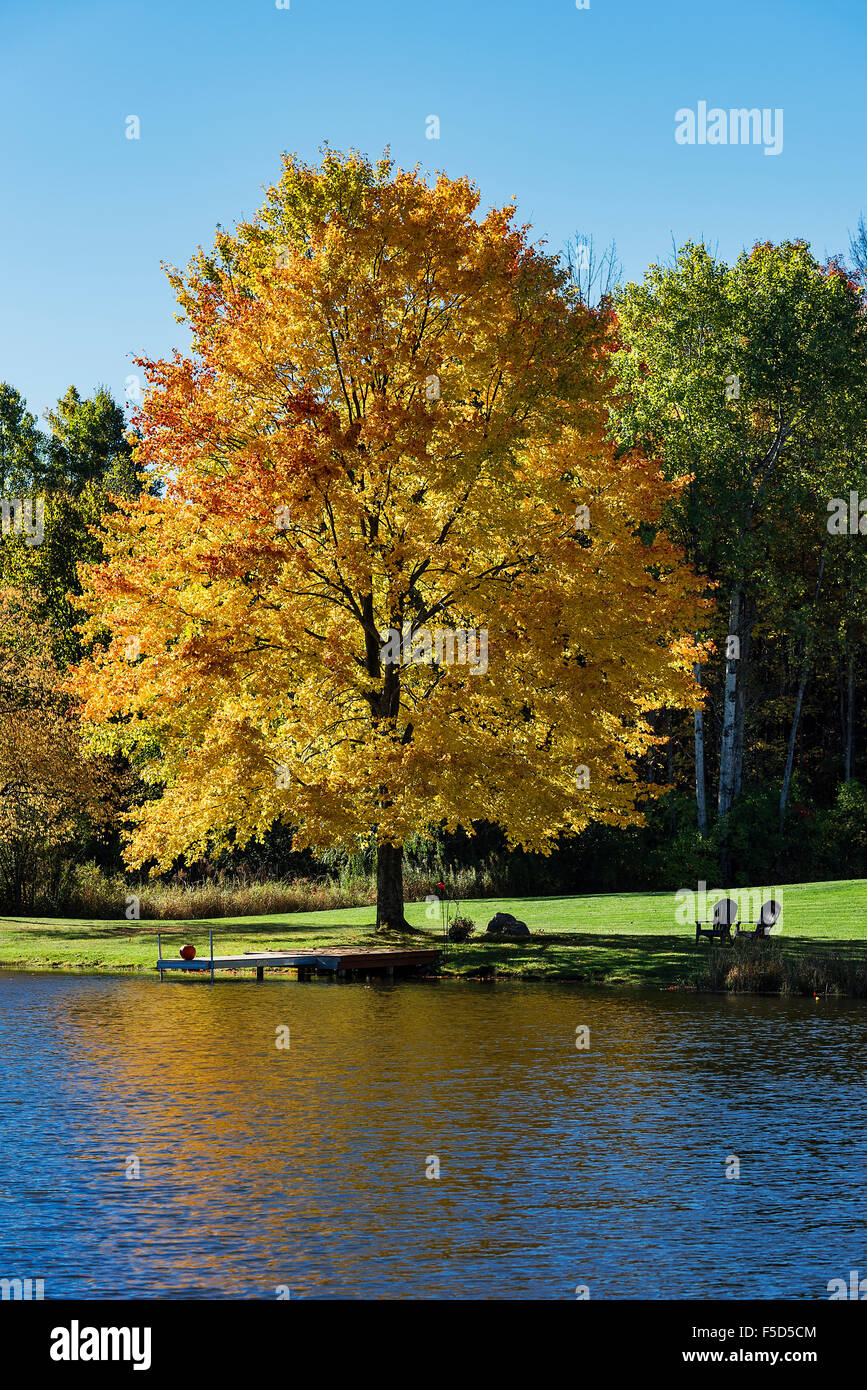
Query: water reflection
(306, 1166)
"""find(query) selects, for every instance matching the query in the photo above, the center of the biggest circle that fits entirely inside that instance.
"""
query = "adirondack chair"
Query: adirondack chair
(768, 918)
(725, 915)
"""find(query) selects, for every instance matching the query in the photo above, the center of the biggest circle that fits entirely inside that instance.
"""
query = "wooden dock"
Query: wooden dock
(337, 964)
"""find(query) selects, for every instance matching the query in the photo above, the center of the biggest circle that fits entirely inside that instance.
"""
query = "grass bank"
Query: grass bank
(629, 939)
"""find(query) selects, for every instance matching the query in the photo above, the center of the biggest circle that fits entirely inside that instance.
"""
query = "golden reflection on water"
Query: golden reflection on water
(306, 1166)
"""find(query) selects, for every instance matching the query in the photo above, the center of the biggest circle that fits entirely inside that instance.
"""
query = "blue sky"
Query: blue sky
(572, 111)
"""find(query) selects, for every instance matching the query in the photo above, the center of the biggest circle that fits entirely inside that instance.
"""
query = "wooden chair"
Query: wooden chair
(725, 915)
(768, 917)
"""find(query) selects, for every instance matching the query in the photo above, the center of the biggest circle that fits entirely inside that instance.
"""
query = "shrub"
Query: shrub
(461, 929)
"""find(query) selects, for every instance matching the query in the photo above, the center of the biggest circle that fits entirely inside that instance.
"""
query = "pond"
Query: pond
(307, 1170)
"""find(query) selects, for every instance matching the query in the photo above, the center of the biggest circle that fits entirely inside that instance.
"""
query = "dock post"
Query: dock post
(260, 972)
(160, 955)
(211, 940)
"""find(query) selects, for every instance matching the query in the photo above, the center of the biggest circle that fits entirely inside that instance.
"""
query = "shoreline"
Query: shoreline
(624, 940)
(470, 975)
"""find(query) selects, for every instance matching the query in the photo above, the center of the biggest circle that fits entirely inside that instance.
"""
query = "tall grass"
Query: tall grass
(772, 967)
(94, 894)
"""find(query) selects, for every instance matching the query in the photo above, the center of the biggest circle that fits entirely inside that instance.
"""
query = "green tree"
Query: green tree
(752, 379)
(89, 444)
(21, 444)
(48, 572)
(86, 461)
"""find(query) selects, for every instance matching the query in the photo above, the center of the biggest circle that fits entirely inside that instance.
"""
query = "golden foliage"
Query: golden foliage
(49, 791)
(391, 413)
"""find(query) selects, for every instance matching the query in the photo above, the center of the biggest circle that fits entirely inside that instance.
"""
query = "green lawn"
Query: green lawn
(627, 938)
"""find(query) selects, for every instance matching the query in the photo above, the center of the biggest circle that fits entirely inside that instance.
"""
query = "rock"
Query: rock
(498, 921)
(504, 924)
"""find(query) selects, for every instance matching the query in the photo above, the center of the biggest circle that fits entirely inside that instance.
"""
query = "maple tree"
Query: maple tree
(391, 410)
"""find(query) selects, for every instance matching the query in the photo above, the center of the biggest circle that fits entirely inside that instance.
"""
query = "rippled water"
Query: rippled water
(305, 1167)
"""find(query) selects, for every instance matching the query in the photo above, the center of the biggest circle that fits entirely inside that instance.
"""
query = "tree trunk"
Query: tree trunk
(850, 717)
(748, 619)
(727, 747)
(385, 705)
(805, 667)
(670, 752)
(389, 888)
(700, 792)
(790, 756)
